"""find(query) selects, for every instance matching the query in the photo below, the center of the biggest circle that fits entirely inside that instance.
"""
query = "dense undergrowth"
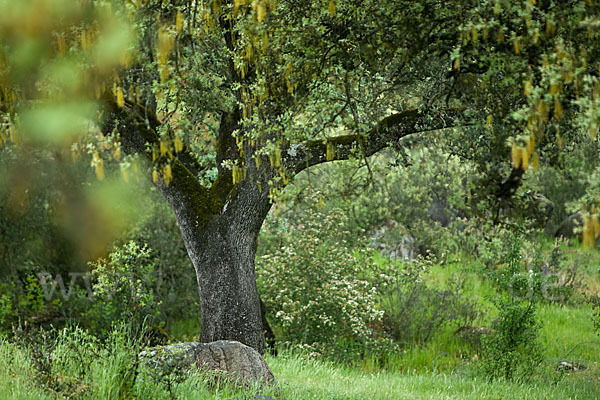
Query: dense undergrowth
(110, 372)
(72, 363)
(488, 310)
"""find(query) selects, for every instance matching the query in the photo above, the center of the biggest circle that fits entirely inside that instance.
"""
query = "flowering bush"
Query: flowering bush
(314, 285)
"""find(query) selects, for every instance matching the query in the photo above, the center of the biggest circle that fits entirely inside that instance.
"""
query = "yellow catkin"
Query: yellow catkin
(535, 162)
(593, 131)
(525, 158)
(542, 111)
(165, 45)
(500, 36)
(559, 142)
(75, 154)
(517, 46)
(98, 165)
(497, 7)
(85, 44)
(236, 6)
(100, 169)
(61, 45)
(531, 144)
(179, 22)
(528, 88)
(330, 153)
(332, 8)
(516, 155)
(588, 233)
(120, 97)
(125, 174)
(167, 174)
(155, 176)
(14, 135)
(596, 225)
(558, 111)
(164, 148)
(550, 28)
(278, 157)
(235, 174)
(178, 144)
(489, 121)
(261, 11)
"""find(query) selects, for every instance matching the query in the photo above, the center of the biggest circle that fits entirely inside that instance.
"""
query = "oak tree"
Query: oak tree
(221, 103)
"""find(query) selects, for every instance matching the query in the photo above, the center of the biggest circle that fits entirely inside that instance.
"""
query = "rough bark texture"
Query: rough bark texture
(223, 256)
(387, 132)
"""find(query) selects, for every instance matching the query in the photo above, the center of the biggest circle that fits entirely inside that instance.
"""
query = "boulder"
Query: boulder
(395, 242)
(234, 361)
(567, 227)
(540, 207)
(438, 211)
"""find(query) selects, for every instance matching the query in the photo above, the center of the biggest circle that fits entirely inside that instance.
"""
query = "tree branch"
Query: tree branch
(389, 130)
(137, 127)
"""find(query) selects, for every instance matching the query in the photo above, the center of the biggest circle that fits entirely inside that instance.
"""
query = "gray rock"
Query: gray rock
(395, 242)
(234, 361)
(438, 211)
(567, 227)
(539, 207)
(566, 366)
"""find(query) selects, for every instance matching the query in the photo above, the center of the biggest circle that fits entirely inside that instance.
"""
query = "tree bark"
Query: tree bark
(223, 256)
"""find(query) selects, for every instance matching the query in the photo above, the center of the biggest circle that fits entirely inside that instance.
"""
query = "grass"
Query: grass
(302, 379)
(443, 368)
(298, 378)
(16, 375)
(568, 333)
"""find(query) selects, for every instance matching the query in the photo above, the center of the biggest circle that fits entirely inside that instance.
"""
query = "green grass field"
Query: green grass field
(299, 378)
(443, 368)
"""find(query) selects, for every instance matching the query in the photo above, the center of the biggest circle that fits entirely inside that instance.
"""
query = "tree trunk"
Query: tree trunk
(222, 253)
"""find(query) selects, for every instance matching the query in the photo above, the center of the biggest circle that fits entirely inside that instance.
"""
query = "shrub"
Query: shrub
(74, 364)
(123, 290)
(513, 350)
(415, 311)
(25, 302)
(175, 278)
(314, 285)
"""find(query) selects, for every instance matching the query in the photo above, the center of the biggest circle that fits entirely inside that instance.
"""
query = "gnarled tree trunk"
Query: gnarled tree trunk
(223, 256)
